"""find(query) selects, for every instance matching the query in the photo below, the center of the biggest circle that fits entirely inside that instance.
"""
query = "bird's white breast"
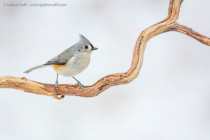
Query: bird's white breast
(76, 64)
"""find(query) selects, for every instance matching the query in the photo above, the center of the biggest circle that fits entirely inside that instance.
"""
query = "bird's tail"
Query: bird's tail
(34, 68)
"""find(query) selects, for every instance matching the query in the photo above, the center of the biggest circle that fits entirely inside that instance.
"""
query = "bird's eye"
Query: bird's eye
(86, 46)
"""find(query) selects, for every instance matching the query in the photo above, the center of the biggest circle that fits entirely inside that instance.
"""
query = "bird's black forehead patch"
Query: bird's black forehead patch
(91, 45)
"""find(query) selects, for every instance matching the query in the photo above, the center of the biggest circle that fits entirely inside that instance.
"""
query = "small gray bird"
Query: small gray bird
(72, 61)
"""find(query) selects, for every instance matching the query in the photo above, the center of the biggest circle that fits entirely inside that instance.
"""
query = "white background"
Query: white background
(170, 99)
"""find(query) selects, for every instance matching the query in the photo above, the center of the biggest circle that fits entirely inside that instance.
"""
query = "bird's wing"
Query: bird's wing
(61, 59)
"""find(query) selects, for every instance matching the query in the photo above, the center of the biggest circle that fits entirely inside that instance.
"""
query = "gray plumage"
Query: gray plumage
(37, 67)
(65, 56)
(73, 60)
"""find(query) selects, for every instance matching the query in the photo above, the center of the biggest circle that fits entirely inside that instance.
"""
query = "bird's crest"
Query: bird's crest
(83, 39)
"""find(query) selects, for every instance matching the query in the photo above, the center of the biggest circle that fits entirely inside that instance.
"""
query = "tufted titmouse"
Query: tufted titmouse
(72, 61)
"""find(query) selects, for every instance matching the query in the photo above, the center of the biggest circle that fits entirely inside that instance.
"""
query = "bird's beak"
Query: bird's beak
(94, 48)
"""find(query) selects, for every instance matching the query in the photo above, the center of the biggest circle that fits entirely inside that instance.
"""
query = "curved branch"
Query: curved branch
(190, 32)
(169, 24)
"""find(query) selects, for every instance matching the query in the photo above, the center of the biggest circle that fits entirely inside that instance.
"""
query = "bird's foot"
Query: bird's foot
(55, 95)
(56, 85)
(80, 85)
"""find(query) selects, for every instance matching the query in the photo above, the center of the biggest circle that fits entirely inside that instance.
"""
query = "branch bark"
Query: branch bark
(169, 24)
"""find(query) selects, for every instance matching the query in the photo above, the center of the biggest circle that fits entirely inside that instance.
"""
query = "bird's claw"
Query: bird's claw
(55, 95)
(56, 85)
(80, 85)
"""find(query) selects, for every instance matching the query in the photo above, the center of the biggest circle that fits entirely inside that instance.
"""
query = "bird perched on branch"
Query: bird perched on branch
(72, 61)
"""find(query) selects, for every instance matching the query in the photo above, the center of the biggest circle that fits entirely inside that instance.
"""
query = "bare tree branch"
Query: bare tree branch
(169, 24)
(190, 32)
